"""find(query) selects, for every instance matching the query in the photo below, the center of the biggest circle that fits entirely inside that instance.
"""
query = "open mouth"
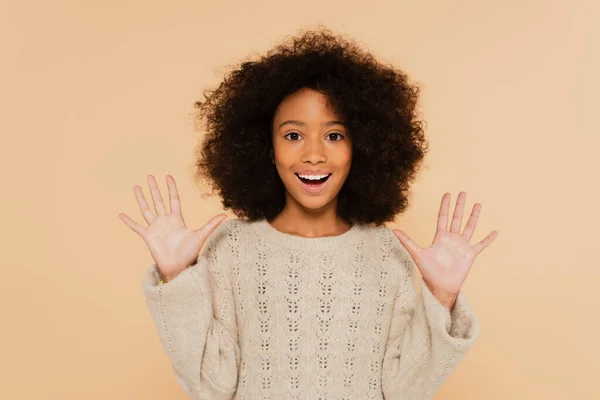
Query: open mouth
(315, 182)
(313, 185)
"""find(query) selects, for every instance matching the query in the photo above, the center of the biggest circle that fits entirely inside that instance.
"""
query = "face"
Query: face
(312, 150)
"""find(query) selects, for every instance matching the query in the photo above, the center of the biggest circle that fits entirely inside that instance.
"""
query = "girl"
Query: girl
(307, 295)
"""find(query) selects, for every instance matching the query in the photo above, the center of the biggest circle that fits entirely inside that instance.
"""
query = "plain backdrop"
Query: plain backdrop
(95, 95)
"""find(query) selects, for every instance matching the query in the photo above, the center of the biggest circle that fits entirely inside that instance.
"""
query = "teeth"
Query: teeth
(313, 177)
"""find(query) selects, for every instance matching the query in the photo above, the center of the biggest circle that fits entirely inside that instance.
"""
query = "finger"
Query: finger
(137, 228)
(458, 212)
(472, 222)
(147, 213)
(408, 243)
(173, 196)
(159, 205)
(443, 213)
(485, 242)
(210, 226)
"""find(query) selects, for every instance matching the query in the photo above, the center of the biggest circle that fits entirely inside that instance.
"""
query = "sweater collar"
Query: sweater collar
(325, 243)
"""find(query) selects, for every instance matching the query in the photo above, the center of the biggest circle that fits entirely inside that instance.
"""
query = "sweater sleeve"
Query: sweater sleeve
(194, 315)
(426, 341)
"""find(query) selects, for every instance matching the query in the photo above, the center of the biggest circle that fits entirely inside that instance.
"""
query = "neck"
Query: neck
(299, 221)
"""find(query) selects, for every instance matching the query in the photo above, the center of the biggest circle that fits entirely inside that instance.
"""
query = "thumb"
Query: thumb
(210, 226)
(408, 243)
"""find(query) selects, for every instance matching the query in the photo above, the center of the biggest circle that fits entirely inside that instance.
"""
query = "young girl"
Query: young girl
(307, 295)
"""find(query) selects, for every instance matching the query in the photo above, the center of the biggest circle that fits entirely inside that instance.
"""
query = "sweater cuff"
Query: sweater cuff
(459, 326)
(195, 276)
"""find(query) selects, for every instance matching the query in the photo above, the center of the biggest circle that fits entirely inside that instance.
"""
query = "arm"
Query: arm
(426, 340)
(194, 315)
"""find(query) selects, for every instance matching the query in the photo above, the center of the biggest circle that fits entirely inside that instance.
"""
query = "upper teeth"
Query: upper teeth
(313, 177)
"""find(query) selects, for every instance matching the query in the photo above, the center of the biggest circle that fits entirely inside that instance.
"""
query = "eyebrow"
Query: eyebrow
(300, 123)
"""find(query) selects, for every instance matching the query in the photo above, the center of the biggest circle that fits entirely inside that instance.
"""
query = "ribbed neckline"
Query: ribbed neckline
(265, 230)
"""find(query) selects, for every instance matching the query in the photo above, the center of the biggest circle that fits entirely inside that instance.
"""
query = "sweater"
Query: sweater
(264, 314)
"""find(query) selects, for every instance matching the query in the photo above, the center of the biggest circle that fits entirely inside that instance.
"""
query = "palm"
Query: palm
(447, 262)
(173, 246)
(171, 243)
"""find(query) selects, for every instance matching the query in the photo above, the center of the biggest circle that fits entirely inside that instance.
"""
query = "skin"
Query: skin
(310, 144)
(447, 262)
(174, 247)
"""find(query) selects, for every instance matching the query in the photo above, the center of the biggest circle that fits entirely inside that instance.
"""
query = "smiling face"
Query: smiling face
(310, 142)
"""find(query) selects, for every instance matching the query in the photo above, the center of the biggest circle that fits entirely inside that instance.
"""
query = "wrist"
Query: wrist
(446, 298)
(165, 278)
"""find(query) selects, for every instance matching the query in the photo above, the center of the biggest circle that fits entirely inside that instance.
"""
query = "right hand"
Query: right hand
(172, 245)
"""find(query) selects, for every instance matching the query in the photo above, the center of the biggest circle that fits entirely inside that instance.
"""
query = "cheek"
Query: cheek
(283, 165)
(284, 154)
(344, 159)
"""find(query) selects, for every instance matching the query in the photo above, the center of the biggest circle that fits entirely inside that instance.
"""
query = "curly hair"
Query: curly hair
(376, 101)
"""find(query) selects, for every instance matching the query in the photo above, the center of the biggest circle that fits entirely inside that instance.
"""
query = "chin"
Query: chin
(313, 203)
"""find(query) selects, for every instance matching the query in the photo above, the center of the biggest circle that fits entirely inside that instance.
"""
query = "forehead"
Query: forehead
(306, 104)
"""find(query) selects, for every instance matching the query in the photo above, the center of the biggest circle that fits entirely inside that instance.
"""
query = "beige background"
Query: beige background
(96, 94)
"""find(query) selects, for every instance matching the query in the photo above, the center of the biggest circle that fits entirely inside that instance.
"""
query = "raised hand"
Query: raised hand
(447, 262)
(173, 246)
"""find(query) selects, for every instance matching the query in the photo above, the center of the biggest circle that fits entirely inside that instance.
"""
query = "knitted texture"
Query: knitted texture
(267, 315)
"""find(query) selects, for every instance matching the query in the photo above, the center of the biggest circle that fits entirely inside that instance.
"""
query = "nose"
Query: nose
(314, 152)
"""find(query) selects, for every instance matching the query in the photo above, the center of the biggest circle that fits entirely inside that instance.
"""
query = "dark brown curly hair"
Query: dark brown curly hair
(376, 101)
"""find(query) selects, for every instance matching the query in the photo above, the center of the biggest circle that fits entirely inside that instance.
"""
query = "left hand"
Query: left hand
(446, 263)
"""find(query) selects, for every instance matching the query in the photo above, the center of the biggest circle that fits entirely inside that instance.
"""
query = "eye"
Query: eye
(340, 136)
(292, 133)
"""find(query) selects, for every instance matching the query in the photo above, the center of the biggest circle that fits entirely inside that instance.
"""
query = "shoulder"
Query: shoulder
(383, 236)
(388, 247)
(227, 233)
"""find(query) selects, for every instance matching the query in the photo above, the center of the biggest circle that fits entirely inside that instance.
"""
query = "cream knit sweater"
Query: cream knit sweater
(267, 315)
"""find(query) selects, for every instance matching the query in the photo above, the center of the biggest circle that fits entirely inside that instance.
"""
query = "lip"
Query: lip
(314, 189)
(313, 172)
